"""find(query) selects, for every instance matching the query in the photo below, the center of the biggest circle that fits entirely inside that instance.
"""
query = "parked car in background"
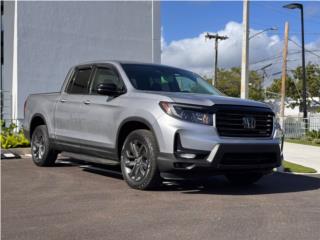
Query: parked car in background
(157, 122)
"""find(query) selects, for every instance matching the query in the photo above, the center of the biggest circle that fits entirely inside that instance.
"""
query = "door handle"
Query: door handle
(63, 100)
(87, 102)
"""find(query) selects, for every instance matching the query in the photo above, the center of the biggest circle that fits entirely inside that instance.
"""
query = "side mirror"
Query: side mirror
(109, 89)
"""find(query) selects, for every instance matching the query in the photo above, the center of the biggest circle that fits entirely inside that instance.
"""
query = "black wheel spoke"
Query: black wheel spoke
(134, 149)
(129, 155)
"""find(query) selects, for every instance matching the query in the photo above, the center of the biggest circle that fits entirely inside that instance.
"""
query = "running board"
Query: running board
(100, 169)
(88, 158)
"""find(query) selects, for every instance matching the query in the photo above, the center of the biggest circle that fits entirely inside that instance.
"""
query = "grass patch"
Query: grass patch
(301, 141)
(292, 167)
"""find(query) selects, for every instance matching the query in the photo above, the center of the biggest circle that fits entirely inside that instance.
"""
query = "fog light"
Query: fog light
(187, 155)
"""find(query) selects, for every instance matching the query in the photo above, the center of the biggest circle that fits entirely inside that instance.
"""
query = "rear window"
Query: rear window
(80, 82)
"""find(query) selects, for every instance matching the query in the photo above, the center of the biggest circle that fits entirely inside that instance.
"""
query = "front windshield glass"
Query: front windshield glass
(167, 79)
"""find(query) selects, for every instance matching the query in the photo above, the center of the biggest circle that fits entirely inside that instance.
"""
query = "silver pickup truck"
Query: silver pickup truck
(157, 122)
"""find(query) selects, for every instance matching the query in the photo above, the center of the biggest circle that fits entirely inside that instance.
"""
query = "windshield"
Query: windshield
(166, 79)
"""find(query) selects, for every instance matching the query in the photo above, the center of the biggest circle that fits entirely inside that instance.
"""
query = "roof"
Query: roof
(125, 62)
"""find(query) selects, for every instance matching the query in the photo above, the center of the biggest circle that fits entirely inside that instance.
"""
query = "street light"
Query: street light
(265, 30)
(304, 88)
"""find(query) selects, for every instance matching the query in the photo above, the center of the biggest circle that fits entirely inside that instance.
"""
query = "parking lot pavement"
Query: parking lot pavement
(68, 202)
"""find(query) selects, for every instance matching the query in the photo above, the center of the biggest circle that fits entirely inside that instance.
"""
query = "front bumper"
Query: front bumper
(224, 157)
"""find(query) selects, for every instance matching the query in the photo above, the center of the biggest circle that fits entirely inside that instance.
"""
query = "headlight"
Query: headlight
(278, 132)
(189, 113)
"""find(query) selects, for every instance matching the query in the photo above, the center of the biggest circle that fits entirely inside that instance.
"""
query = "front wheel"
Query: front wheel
(41, 149)
(139, 160)
(244, 178)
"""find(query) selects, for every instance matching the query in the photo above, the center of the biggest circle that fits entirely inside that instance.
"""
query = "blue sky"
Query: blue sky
(184, 25)
(188, 19)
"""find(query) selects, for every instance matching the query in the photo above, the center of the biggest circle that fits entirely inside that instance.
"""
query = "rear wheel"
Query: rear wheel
(42, 151)
(139, 160)
(244, 178)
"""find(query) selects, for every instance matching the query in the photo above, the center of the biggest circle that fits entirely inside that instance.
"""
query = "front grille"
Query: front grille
(230, 121)
(248, 158)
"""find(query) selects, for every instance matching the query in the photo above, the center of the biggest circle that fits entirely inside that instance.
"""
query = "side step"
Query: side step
(88, 158)
(98, 169)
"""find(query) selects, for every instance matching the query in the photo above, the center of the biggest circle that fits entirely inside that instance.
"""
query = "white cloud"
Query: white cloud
(196, 53)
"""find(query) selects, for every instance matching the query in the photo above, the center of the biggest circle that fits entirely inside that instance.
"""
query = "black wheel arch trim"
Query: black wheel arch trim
(33, 117)
(135, 119)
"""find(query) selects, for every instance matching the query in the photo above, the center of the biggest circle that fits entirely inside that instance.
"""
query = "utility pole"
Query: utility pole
(216, 37)
(245, 51)
(284, 73)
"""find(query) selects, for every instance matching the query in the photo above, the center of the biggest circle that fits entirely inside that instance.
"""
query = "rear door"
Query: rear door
(69, 109)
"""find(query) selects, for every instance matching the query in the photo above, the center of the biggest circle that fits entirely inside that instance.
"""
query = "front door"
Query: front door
(99, 122)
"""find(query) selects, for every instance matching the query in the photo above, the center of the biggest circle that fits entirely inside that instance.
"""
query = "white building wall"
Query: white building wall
(7, 25)
(53, 36)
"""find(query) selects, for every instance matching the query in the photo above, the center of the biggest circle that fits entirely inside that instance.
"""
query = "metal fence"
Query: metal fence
(297, 127)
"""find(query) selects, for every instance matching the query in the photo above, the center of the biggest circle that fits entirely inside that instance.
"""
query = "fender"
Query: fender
(135, 119)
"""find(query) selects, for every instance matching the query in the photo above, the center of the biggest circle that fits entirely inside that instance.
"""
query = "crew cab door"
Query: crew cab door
(99, 125)
(69, 110)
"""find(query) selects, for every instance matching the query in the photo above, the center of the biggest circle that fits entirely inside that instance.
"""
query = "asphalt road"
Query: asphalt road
(68, 202)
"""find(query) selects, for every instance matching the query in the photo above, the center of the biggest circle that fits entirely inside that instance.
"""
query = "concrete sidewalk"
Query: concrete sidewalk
(305, 155)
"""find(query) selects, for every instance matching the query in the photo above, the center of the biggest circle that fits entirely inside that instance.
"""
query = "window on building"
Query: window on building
(80, 82)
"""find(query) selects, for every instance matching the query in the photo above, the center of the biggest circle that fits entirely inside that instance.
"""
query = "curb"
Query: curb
(281, 170)
(15, 153)
(296, 173)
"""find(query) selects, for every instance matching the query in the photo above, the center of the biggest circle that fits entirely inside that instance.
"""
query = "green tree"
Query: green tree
(294, 83)
(229, 81)
(313, 79)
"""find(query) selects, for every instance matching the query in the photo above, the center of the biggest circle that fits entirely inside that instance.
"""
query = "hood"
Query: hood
(209, 100)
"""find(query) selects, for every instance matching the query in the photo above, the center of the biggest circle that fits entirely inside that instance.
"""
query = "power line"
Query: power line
(279, 56)
(311, 33)
(307, 50)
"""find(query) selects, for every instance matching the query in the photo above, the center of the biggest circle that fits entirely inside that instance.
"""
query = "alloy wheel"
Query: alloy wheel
(38, 146)
(136, 160)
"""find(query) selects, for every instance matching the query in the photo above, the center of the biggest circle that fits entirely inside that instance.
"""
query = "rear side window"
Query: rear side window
(80, 82)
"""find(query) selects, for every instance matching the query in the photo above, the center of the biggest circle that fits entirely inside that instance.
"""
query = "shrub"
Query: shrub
(307, 138)
(316, 141)
(313, 134)
(12, 138)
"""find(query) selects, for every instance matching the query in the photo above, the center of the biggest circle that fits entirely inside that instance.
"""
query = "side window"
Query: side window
(105, 75)
(79, 83)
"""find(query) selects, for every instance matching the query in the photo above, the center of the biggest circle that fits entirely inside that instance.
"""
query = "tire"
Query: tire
(139, 160)
(43, 154)
(242, 179)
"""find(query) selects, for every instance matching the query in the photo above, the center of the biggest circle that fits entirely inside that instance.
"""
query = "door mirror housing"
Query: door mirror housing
(109, 89)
